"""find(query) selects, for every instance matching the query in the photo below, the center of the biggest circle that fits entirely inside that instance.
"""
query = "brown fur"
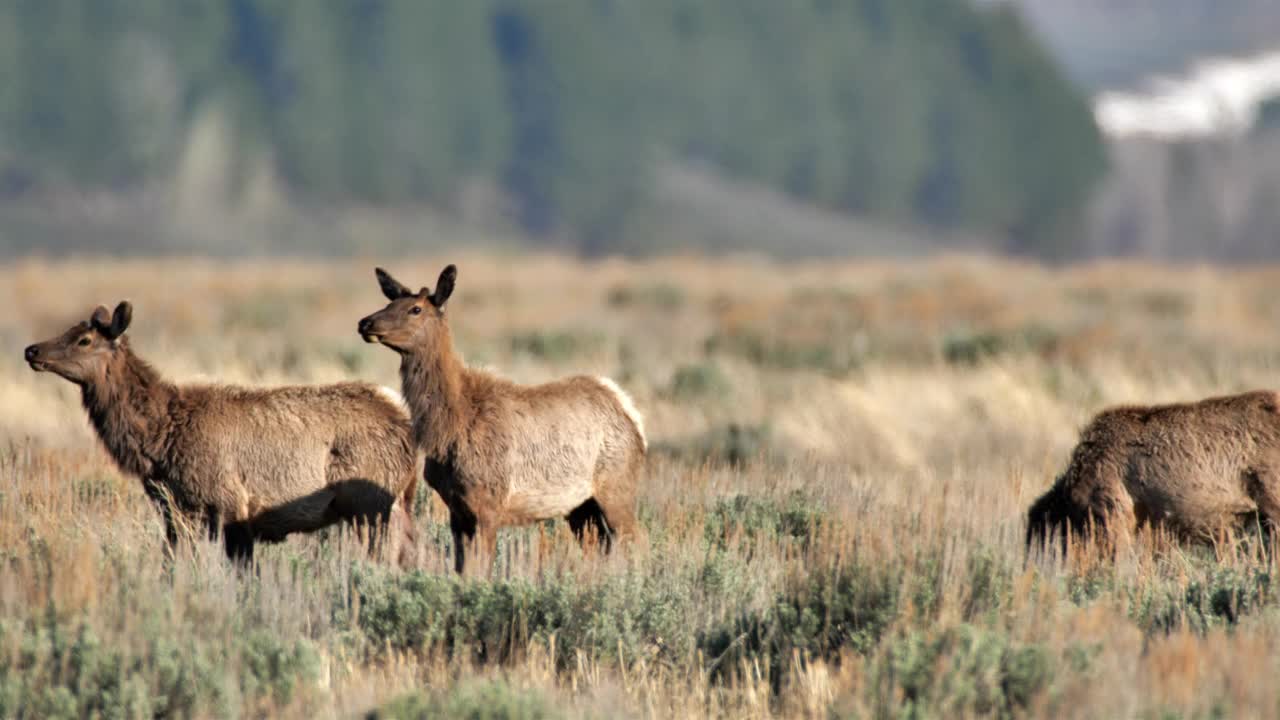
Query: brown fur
(255, 464)
(503, 454)
(1197, 469)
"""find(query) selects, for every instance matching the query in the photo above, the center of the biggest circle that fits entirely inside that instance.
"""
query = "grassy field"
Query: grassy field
(841, 458)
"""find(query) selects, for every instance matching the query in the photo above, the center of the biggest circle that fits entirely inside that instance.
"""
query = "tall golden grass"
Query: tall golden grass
(851, 443)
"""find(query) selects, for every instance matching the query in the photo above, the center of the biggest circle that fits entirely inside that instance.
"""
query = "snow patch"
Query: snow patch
(1219, 96)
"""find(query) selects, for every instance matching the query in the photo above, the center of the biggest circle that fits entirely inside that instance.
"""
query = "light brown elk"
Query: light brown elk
(504, 454)
(1197, 469)
(253, 464)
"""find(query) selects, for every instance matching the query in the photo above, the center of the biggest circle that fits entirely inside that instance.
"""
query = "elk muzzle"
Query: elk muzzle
(366, 330)
(32, 356)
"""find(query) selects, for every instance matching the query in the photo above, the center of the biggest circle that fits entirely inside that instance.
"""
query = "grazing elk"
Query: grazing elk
(503, 454)
(253, 464)
(1197, 469)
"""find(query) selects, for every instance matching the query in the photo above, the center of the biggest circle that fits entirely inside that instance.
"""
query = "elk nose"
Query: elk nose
(31, 353)
(363, 327)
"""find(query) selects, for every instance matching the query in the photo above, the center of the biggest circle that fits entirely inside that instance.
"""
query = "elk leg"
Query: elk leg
(379, 520)
(401, 538)
(212, 523)
(1107, 515)
(156, 493)
(406, 531)
(589, 515)
(485, 545)
(619, 510)
(463, 525)
(1264, 487)
(376, 528)
(237, 541)
(1111, 523)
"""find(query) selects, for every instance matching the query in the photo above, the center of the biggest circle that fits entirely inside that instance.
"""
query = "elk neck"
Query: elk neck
(129, 408)
(431, 374)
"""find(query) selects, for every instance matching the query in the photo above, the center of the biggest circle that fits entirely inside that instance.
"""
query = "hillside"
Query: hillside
(551, 117)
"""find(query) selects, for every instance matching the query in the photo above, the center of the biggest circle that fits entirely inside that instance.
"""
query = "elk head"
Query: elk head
(410, 319)
(82, 352)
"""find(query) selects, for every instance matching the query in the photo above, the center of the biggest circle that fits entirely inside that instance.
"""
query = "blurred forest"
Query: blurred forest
(580, 123)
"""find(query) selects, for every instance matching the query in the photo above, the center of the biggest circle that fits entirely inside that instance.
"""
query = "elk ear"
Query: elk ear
(121, 318)
(101, 321)
(390, 286)
(444, 286)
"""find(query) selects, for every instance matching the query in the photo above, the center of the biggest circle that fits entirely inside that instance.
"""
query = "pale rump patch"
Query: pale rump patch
(394, 396)
(628, 407)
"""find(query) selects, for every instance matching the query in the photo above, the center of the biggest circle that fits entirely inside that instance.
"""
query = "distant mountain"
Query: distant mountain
(1110, 44)
(1216, 97)
(1185, 91)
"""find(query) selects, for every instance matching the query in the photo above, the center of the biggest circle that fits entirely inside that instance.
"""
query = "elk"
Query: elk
(502, 454)
(251, 464)
(1197, 469)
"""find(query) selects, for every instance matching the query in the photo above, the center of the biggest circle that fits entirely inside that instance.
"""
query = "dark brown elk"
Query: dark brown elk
(502, 454)
(1197, 469)
(252, 464)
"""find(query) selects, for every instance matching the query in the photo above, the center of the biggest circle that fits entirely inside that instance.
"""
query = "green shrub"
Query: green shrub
(924, 586)
(495, 621)
(698, 382)
(272, 667)
(1084, 589)
(269, 309)
(1213, 596)
(95, 487)
(660, 296)
(351, 357)
(828, 355)
(851, 607)
(792, 517)
(63, 669)
(732, 444)
(959, 672)
(989, 584)
(832, 611)
(476, 700)
(963, 347)
(1220, 598)
(555, 347)
(1165, 303)
(408, 612)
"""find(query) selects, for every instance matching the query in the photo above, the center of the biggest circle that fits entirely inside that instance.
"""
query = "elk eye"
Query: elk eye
(416, 310)
(84, 341)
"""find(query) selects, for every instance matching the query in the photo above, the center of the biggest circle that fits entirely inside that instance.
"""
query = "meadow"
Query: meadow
(841, 458)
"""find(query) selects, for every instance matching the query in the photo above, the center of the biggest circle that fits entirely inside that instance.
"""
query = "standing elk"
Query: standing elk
(502, 454)
(253, 464)
(1196, 469)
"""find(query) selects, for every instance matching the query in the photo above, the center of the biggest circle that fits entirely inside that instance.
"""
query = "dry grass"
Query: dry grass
(843, 454)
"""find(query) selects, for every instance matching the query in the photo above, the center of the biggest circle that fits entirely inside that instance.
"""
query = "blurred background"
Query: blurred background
(1055, 129)
(851, 258)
